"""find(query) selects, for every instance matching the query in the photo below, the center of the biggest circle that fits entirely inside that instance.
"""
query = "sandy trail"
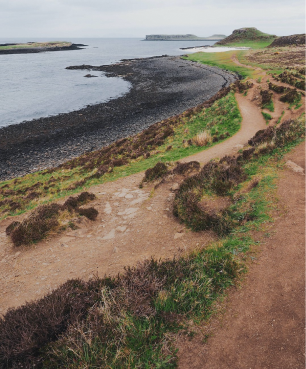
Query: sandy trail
(133, 224)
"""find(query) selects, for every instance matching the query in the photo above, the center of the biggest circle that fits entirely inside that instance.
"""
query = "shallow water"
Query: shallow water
(38, 85)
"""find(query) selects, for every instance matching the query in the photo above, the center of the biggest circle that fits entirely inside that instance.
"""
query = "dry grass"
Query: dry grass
(202, 138)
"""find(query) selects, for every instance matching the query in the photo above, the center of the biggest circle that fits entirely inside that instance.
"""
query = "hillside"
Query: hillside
(247, 36)
(291, 40)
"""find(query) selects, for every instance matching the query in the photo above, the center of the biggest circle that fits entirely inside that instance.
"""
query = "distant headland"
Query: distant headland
(38, 47)
(187, 37)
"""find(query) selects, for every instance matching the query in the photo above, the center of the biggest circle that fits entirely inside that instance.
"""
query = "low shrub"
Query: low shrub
(202, 138)
(37, 225)
(276, 88)
(158, 171)
(183, 168)
(90, 213)
(266, 97)
(290, 97)
(45, 218)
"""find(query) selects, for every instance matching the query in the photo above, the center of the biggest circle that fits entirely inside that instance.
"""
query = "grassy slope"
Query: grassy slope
(223, 60)
(252, 37)
(222, 117)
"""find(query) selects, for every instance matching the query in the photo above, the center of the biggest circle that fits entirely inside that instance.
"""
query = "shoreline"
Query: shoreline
(161, 87)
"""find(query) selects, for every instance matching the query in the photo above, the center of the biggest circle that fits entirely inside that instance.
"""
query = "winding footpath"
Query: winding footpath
(135, 224)
(132, 225)
(262, 324)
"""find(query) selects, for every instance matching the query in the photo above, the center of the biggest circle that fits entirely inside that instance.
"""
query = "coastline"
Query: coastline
(42, 49)
(161, 87)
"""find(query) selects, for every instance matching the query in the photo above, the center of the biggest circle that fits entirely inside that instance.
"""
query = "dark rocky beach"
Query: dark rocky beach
(160, 87)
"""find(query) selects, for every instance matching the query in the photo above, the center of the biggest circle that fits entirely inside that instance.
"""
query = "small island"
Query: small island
(38, 47)
(188, 37)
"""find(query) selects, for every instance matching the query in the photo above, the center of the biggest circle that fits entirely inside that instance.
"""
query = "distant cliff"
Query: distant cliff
(187, 37)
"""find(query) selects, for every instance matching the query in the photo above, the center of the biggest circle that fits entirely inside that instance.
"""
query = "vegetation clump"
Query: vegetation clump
(116, 322)
(202, 138)
(266, 97)
(289, 77)
(184, 168)
(158, 171)
(276, 88)
(242, 86)
(220, 177)
(45, 219)
(290, 96)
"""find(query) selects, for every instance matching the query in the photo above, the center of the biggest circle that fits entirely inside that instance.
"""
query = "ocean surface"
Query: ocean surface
(38, 85)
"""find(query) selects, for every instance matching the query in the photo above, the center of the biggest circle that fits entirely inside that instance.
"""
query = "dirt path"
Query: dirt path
(132, 225)
(263, 323)
(263, 326)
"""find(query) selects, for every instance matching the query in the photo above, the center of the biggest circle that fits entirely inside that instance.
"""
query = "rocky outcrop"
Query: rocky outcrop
(292, 40)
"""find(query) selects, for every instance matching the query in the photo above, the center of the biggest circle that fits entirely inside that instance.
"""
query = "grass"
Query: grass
(131, 320)
(222, 120)
(224, 61)
(252, 44)
(266, 116)
(280, 118)
(269, 106)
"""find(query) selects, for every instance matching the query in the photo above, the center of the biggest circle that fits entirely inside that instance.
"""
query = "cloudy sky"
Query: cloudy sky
(136, 18)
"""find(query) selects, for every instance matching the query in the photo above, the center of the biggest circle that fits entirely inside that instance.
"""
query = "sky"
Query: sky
(137, 18)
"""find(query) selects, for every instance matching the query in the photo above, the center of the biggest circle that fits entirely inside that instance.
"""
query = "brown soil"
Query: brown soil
(263, 326)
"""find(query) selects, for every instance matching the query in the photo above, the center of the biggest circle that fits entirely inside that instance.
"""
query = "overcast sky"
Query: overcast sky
(137, 18)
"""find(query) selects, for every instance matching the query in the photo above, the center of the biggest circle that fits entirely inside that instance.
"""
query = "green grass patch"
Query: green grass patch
(269, 106)
(281, 117)
(266, 116)
(223, 60)
(252, 44)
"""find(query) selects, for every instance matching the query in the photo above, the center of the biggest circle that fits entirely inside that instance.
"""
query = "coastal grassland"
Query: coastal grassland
(131, 320)
(33, 45)
(224, 61)
(259, 44)
(172, 140)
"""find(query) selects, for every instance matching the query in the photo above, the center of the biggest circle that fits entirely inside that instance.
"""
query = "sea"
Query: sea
(38, 85)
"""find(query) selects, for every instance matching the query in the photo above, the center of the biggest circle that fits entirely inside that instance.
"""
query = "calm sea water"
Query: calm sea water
(38, 85)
